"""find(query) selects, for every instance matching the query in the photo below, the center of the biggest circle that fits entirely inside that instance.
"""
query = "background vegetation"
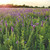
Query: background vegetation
(20, 6)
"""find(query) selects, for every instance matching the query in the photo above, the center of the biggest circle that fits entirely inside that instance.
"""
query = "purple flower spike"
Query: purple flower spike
(0, 29)
(6, 24)
(23, 24)
(37, 24)
(12, 29)
(2, 20)
(22, 21)
(45, 17)
(18, 20)
(25, 42)
(31, 23)
(15, 22)
(41, 25)
(42, 21)
(34, 26)
(17, 42)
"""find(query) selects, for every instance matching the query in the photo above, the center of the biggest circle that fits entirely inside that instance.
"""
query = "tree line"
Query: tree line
(20, 6)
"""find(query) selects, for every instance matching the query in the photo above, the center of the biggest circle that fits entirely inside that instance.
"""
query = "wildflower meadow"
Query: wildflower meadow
(25, 29)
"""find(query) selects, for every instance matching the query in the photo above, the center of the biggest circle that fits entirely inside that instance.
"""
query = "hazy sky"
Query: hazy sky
(27, 2)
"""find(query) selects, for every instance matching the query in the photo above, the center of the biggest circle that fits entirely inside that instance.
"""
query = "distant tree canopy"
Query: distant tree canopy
(48, 6)
(36, 6)
(23, 4)
(43, 6)
(20, 6)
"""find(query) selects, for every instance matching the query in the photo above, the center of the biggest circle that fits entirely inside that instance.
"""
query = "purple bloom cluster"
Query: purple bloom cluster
(37, 24)
(2, 20)
(45, 17)
(0, 29)
(6, 23)
(17, 42)
(31, 23)
(25, 42)
(42, 24)
(34, 26)
(12, 28)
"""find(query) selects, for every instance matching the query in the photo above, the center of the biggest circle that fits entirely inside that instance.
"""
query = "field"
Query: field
(24, 29)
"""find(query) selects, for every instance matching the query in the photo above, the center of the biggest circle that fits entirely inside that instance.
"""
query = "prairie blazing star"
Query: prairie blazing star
(6, 24)
(17, 42)
(22, 24)
(2, 20)
(42, 21)
(15, 22)
(19, 16)
(25, 42)
(45, 17)
(37, 24)
(42, 24)
(34, 26)
(22, 21)
(18, 20)
(12, 28)
(0, 29)
(31, 23)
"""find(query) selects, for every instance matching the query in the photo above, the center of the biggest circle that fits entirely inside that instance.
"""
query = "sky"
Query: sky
(27, 2)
